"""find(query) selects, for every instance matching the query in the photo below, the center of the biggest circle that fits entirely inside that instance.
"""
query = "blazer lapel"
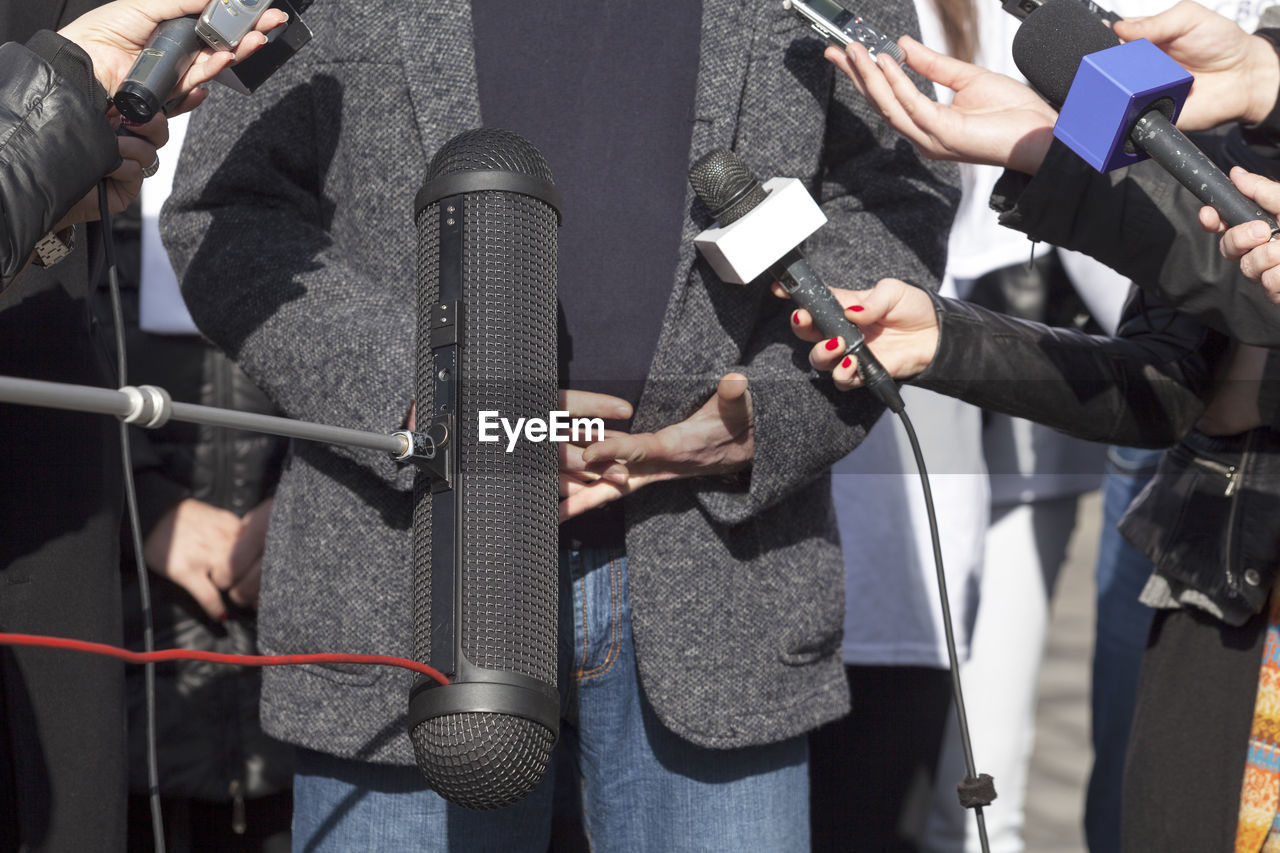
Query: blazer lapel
(727, 30)
(728, 27)
(438, 46)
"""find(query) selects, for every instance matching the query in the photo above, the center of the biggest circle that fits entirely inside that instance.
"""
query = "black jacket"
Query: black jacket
(55, 141)
(1208, 521)
(1142, 223)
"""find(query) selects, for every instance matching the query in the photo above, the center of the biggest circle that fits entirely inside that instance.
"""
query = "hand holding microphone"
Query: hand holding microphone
(1237, 74)
(897, 319)
(1251, 243)
(760, 227)
(116, 34)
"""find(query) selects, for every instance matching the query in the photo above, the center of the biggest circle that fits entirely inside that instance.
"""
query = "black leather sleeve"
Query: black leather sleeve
(55, 144)
(1142, 223)
(1144, 388)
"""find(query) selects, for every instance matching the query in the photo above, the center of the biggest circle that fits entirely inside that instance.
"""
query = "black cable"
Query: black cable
(135, 527)
(975, 791)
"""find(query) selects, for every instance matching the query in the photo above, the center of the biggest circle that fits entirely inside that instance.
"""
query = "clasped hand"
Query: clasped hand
(208, 551)
(716, 439)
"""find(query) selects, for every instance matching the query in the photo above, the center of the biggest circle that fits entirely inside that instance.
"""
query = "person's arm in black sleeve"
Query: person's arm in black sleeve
(55, 141)
(1142, 223)
(1144, 388)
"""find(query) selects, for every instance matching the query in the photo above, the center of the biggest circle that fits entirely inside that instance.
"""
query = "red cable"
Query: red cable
(214, 657)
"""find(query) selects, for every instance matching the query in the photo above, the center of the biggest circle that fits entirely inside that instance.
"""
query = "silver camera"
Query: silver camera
(224, 22)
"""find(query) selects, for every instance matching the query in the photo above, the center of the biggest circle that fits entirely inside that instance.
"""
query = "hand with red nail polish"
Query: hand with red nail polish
(898, 322)
(717, 439)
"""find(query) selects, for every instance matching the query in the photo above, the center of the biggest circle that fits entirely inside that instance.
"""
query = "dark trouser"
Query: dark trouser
(62, 724)
(1190, 734)
(871, 773)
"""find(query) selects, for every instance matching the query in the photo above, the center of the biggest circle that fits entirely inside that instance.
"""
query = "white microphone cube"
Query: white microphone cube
(741, 251)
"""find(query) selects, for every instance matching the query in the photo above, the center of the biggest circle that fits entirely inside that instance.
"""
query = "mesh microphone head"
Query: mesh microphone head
(489, 149)
(726, 186)
(481, 758)
(1051, 42)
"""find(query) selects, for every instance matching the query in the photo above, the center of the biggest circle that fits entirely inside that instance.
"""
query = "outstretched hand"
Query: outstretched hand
(1236, 74)
(993, 119)
(897, 320)
(1250, 243)
(716, 439)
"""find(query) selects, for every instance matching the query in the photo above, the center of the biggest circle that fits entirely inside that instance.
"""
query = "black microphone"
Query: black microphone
(729, 189)
(166, 56)
(485, 533)
(1048, 49)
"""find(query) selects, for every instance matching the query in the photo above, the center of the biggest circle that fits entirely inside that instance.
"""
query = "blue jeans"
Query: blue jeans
(634, 785)
(1123, 624)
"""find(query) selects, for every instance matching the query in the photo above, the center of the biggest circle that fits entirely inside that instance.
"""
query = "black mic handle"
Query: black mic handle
(167, 55)
(807, 290)
(1169, 147)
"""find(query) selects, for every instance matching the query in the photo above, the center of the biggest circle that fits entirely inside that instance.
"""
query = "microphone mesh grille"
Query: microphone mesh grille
(726, 186)
(482, 761)
(509, 499)
(489, 149)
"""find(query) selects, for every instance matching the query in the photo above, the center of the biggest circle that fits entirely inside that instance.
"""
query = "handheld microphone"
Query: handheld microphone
(1108, 100)
(485, 532)
(166, 56)
(761, 227)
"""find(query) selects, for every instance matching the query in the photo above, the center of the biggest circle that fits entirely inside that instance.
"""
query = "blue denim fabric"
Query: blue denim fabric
(638, 786)
(1123, 624)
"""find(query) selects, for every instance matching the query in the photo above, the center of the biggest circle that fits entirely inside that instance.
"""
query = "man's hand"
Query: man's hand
(716, 439)
(897, 320)
(191, 546)
(113, 35)
(993, 119)
(1237, 74)
(1250, 243)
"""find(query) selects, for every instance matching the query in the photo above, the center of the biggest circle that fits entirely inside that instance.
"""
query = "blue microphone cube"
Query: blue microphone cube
(1111, 89)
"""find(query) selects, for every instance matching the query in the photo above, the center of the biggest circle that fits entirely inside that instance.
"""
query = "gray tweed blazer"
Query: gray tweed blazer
(292, 226)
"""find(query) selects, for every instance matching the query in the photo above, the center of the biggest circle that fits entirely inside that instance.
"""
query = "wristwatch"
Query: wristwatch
(54, 246)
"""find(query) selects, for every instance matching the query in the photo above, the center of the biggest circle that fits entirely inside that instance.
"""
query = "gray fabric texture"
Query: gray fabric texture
(292, 228)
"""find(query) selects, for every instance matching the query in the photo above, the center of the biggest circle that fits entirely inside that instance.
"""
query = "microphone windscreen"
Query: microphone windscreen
(1051, 42)
(726, 185)
(479, 748)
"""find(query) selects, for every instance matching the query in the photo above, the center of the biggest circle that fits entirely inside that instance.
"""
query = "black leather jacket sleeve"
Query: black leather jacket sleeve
(1144, 388)
(55, 141)
(1142, 223)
